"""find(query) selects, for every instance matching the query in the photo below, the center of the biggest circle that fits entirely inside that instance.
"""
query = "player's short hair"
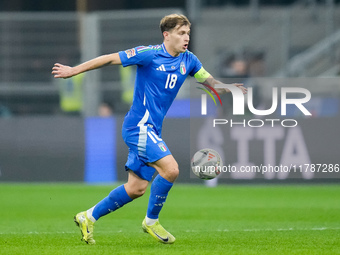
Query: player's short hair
(169, 22)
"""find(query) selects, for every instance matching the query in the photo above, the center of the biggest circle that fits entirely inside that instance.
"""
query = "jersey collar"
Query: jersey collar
(166, 52)
(163, 47)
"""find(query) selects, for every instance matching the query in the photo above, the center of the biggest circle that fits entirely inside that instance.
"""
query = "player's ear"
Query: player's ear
(165, 34)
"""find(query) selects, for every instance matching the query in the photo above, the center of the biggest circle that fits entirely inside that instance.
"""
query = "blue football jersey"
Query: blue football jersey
(158, 79)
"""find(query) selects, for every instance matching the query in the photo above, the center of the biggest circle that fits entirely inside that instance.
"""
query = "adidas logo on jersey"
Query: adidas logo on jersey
(161, 68)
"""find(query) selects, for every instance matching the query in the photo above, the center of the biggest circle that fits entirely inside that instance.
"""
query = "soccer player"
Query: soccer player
(161, 71)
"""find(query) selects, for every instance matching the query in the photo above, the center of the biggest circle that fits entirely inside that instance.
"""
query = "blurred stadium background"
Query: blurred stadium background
(69, 130)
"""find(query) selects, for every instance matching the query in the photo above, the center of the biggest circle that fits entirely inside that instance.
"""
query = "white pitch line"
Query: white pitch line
(270, 229)
(188, 231)
(57, 232)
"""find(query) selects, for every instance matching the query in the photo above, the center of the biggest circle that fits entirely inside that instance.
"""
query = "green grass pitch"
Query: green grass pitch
(229, 219)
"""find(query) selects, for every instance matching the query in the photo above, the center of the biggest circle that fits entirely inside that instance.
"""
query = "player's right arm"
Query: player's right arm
(63, 71)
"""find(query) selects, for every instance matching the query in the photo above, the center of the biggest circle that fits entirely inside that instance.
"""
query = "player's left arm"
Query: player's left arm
(204, 77)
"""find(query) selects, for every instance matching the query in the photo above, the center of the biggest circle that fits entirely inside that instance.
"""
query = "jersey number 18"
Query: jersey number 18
(171, 81)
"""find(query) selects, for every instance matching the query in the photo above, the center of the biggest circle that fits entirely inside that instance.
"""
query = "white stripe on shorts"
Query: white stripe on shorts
(156, 136)
(143, 132)
(152, 138)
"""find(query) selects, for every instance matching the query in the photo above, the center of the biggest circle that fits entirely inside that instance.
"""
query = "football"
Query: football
(206, 164)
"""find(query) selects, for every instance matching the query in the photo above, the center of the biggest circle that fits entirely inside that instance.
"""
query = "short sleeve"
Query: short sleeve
(196, 65)
(141, 55)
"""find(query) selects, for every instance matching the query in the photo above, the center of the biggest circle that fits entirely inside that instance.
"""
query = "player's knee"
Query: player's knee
(175, 172)
(138, 192)
(167, 167)
(134, 190)
(172, 173)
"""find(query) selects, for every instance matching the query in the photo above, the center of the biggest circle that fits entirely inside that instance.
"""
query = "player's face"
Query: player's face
(178, 39)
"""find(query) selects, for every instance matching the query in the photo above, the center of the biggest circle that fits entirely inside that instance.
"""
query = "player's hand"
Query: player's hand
(62, 71)
(240, 86)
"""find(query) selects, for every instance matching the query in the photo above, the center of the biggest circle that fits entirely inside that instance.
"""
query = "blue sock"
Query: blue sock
(159, 191)
(116, 199)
